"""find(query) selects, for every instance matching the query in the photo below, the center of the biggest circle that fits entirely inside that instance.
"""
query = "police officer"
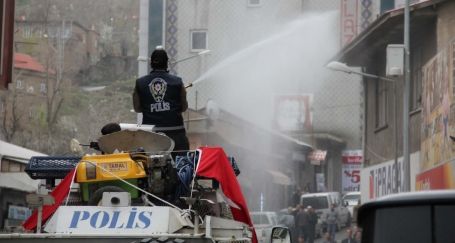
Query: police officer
(161, 97)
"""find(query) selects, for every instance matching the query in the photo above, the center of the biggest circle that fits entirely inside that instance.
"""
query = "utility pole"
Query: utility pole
(407, 85)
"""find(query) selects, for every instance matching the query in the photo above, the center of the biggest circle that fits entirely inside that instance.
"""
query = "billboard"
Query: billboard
(379, 180)
(438, 109)
(349, 20)
(293, 112)
(350, 170)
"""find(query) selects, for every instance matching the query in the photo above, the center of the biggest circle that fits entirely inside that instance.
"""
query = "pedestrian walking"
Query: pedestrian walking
(332, 221)
(296, 197)
(312, 221)
(301, 222)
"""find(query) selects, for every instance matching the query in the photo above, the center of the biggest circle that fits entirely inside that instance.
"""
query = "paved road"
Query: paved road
(340, 235)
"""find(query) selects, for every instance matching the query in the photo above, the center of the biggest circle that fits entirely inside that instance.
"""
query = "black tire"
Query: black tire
(98, 194)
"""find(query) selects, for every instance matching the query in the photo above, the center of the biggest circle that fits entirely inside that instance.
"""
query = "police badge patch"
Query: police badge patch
(158, 89)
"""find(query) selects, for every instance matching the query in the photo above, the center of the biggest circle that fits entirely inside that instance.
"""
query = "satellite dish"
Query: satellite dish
(212, 110)
(75, 146)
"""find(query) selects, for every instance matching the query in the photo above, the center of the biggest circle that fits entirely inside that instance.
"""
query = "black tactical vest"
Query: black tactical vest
(159, 94)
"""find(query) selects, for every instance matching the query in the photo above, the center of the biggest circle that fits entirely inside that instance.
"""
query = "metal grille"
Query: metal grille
(226, 211)
(50, 167)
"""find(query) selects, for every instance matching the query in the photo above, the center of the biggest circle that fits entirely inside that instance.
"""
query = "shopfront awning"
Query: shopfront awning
(279, 178)
(19, 181)
(16, 153)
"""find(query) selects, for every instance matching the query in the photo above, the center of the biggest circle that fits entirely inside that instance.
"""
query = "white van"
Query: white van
(321, 203)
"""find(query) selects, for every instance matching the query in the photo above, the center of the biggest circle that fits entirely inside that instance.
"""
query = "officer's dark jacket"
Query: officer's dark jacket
(160, 99)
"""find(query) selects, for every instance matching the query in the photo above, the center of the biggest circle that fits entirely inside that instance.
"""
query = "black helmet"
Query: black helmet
(159, 59)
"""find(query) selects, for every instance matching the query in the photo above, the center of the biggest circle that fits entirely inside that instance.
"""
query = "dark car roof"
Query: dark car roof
(408, 199)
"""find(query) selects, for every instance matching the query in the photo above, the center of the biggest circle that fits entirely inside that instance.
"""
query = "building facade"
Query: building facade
(430, 98)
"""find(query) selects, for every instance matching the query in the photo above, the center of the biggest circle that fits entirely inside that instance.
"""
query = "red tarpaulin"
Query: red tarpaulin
(214, 164)
(59, 193)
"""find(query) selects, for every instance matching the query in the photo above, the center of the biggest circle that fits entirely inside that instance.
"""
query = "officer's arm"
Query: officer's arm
(183, 99)
(136, 101)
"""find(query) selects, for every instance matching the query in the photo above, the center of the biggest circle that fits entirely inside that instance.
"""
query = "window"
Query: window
(19, 84)
(403, 224)
(442, 223)
(381, 103)
(254, 3)
(416, 79)
(30, 89)
(5, 166)
(43, 87)
(14, 167)
(315, 202)
(198, 40)
(11, 166)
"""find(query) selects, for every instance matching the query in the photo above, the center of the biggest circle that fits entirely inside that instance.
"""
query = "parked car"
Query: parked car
(350, 200)
(263, 223)
(321, 203)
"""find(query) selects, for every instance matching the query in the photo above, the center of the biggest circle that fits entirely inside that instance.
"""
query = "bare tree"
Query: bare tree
(54, 59)
(10, 115)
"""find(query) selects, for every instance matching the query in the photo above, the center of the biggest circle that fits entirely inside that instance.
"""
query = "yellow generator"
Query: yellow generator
(100, 173)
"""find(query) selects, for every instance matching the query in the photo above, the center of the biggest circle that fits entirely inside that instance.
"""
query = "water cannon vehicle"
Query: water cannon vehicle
(137, 190)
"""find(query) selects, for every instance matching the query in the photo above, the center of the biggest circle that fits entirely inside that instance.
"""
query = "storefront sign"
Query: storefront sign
(351, 166)
(379, 180)
(440, 177)
(18, 212)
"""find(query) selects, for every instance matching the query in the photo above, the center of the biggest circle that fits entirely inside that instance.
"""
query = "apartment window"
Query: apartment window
(5, 166)
(381, 103)
(254, 3)
(11, 166)
(30, 89)
(416, 79)
(14, 167)
(19, 84)
(198, 40)
(43, 87)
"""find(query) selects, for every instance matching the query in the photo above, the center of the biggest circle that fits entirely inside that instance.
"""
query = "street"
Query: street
(340, 235)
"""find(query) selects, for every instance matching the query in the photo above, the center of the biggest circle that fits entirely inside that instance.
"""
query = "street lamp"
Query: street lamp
(342, 67)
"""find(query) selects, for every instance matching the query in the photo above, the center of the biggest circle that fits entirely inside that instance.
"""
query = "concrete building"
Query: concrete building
(52, 41)
(431, 98)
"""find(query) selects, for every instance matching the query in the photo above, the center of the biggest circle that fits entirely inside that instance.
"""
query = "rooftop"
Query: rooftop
(27, 62)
